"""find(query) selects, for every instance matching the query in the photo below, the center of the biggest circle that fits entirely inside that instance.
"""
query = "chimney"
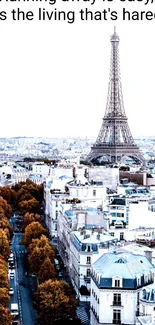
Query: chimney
(148, 254)
(74, 172)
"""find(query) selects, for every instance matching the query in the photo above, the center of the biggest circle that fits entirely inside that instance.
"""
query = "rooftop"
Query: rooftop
(125, 265)
(93, 237)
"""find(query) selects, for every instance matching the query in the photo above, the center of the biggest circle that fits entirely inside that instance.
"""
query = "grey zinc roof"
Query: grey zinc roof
(125, 265)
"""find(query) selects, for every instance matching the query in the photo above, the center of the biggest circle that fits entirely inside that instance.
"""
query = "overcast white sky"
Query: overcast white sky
(54, 75)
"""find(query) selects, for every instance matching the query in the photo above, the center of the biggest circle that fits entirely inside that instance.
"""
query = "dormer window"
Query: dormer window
(139, 281)
(117, 282)
(88, 248)
(94, 192)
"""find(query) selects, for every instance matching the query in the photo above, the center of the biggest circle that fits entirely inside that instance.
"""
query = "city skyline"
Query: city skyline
(49, 92)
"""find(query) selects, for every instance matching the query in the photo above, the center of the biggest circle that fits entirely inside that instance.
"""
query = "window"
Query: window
(56, 204)
(56, 227)
(117, 299)
(88, 248)
(146, 278)
(88, 260)
(116, 316)
(56, 214)
(94, 192)
(117, 283)
(121, 235)
(88, 272)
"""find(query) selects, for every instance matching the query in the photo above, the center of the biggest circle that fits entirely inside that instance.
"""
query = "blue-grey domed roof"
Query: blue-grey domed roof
(125, 265)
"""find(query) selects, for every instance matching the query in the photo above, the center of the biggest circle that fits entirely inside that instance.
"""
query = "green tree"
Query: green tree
(55, 303)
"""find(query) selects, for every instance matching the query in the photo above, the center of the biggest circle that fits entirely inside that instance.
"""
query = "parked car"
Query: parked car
(11, 291)
(60, 275)
(10, 259)
(14, 309)
(16, 322)
(11, 274)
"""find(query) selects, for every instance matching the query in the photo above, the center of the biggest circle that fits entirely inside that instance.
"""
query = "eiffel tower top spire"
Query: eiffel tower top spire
(115, 104)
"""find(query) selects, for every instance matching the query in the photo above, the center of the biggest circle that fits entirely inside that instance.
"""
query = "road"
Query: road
(21, 282)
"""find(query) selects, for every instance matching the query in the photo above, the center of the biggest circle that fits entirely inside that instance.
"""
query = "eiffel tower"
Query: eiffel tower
(115, 139)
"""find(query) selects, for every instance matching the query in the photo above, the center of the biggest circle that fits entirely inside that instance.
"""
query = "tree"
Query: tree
(5, 316)
(31, 217)
(4, 245)
(28, 187)
(32, 231)
(39, 255)
(3, 264)
(55, 303)
(47, 271)
(84, 291)
(4, 282)
(5, 225)
(6, 208)
(4, 297)
(31, 206)
(8, 194)
(41, 243)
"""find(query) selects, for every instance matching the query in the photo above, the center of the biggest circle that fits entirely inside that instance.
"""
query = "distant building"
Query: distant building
(39, 168)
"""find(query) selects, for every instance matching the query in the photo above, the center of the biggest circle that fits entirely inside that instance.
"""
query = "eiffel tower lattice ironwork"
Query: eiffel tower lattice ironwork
(115, 139)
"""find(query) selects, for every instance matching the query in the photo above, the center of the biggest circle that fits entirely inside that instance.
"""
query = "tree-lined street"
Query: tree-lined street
(21, 283)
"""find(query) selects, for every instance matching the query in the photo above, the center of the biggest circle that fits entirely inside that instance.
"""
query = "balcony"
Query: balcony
(116, 303)
(87, 278)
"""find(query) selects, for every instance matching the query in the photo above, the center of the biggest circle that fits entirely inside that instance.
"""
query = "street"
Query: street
(22, 283)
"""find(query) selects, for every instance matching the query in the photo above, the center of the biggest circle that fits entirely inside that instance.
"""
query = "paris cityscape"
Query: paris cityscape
(77, 223)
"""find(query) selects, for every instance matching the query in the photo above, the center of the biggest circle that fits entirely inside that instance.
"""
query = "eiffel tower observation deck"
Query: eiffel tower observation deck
(114, 140)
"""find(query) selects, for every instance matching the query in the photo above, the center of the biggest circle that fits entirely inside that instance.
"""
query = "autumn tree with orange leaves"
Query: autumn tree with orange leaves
(39, 251)
(47, 271)
(5, 316)
(4, 245)
(31, 206)
(32, 231)
(8, 194)
(55, 303)
(31, 217)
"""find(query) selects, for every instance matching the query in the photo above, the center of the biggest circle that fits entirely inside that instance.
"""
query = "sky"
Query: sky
(54, 75)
